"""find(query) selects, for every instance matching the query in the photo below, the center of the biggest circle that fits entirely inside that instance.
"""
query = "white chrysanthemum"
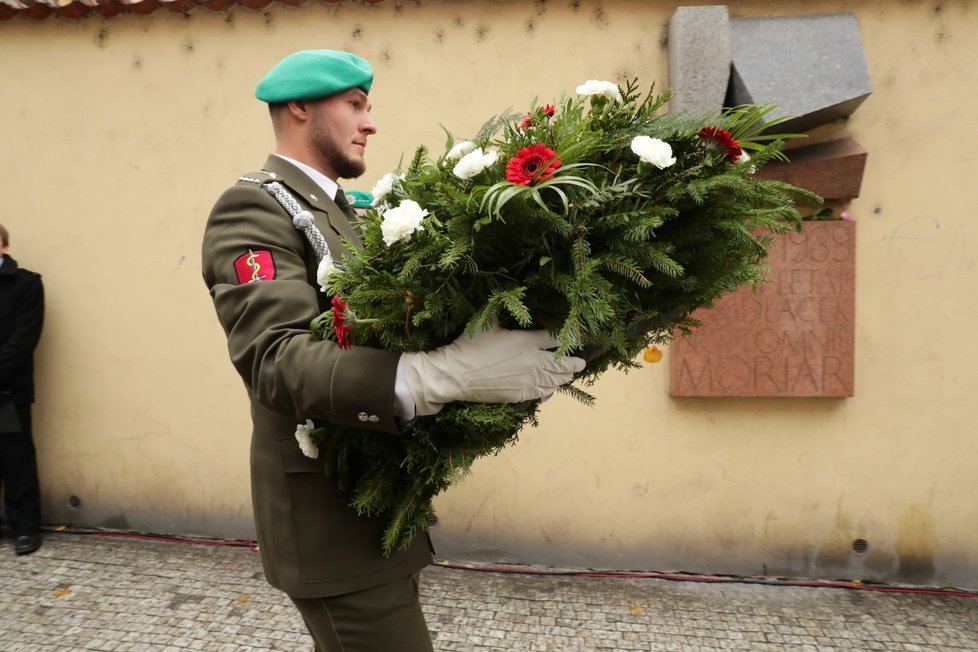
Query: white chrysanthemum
(654, 151)
(326, 268)
(595, 87)
(474, 162)
(303, 436)
(400, 222)
(384, 187)
(460, 150)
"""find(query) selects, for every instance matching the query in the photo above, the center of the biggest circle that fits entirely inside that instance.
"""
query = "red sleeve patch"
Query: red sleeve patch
(255, 266)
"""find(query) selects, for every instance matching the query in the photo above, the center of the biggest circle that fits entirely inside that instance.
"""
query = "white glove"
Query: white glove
(497, 366)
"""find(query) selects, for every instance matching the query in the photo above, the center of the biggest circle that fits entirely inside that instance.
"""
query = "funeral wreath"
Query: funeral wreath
(599, 218)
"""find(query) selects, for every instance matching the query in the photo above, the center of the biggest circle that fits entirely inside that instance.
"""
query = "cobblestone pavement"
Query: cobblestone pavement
(108, 593)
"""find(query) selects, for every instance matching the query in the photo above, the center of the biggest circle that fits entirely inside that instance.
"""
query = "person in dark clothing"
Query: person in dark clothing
(21, 317)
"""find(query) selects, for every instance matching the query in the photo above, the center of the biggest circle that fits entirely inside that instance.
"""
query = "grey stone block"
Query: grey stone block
(699, 58)
(813, 67)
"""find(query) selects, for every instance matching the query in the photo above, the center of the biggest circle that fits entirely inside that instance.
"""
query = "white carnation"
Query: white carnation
(384, 186)
(745, 158)
(654, 151)
(326, 268)
(474, 162)
(303, 436)
(400, 222)
(460, 150)
(595, 87)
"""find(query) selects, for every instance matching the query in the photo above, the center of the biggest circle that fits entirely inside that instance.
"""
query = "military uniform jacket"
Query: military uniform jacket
(21, 318)
(261, 273)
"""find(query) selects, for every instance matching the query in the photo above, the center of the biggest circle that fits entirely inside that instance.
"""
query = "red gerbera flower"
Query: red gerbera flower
(339, 322)
(527, 121)
(533, 163)
(549, 110)
(720, 141)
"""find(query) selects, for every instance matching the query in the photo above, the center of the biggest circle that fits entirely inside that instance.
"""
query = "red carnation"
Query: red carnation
(533, 163)
(720, 141)
(549, 110)
(339, 322)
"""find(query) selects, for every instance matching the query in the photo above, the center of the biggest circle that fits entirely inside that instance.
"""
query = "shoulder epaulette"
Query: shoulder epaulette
(254, 178)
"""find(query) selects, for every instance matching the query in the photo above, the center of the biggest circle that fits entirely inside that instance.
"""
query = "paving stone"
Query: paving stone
(699, 59)
(811, 66)
(122, 601)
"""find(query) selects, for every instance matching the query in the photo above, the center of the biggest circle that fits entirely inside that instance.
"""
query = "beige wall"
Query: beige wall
(119, 134)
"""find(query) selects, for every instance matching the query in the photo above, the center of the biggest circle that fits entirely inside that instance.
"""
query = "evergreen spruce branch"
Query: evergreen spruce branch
(373, 495)
(790, 195)
(571, 334)
(418, 162)
(625, 268)
(488, 315)
(408, 517)
(577, 394)
(659, 258)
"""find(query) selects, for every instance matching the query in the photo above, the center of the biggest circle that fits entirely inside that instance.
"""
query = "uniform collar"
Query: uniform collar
(8, 266)
(302, 184)
(325, 184)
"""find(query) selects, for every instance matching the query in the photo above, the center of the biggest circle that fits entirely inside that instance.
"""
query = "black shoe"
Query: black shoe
(27, 543)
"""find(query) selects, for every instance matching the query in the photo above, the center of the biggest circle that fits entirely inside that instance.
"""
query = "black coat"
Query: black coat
(21, 317)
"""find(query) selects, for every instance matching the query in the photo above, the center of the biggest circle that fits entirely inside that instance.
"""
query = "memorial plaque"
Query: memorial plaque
(832, 170)
(793, 336)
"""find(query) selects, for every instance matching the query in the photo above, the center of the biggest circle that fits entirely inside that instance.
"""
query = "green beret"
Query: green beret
(313, 74)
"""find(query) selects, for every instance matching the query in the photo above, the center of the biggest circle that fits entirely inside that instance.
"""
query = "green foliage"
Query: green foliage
(608, 254)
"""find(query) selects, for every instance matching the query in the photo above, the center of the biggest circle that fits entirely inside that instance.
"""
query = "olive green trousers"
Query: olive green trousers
(384, 618)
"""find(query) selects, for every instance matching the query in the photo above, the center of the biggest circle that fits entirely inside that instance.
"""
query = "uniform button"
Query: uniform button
(363, 416)
(373, 418)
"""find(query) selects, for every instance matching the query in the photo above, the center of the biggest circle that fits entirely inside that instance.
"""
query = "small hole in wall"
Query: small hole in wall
(74, 502)
(860, 546)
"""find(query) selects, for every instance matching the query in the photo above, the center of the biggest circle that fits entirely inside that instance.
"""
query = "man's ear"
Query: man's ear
(297, 108)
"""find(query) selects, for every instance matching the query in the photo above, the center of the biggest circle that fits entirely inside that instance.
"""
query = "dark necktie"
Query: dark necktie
(344, 204)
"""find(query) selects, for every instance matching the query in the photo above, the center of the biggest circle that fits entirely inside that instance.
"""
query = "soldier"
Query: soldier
(263, 245)
(21, 317)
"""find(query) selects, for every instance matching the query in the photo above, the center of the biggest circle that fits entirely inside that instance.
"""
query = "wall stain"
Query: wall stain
(385, 56)
(530, 26)
(101, 37)
(189, 45)
(481, 32)
(117, 522)
(357, 32)
(916, 546)
(229, 20)
(137, 63)
(837, 550)
(600, 17)
(459, 22)
(269, 19)
(439, 35)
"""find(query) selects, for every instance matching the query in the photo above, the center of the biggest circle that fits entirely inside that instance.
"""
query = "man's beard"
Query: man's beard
(345, 166)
